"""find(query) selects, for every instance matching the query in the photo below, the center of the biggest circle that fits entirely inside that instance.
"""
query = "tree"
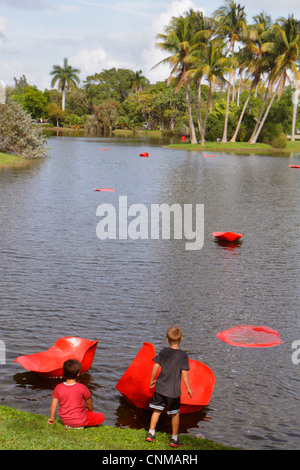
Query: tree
(213, 66)
(138, 82)
(19, 133)
(67, 78)
(177, 40)
(285, 50)
(232, 22)
(254, 58)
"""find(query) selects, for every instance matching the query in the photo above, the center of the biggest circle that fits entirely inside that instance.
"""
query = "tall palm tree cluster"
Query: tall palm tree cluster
(224, 50)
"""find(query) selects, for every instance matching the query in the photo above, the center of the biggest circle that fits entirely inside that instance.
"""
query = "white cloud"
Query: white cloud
(3, 29)
(89, 61)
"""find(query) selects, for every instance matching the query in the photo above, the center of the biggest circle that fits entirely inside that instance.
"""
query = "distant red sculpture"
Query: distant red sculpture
(294, 166)
(134, 384)
(50, 362)
(250, 336)
(144, 154)
(104, 189)
(228, 236)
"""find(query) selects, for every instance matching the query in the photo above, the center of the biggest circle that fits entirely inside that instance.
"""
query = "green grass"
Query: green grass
(238, 147)
(21, 430)
(10, 160)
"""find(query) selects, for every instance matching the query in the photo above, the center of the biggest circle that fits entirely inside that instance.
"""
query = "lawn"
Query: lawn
(21, 430)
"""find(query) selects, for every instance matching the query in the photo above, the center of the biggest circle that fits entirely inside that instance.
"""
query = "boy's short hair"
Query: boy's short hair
(71, 368)
(174, 334)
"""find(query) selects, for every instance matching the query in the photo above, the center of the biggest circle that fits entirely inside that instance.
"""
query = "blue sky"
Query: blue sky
(96, 35)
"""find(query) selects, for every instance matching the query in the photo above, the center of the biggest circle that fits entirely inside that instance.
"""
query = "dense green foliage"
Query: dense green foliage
(231, 78)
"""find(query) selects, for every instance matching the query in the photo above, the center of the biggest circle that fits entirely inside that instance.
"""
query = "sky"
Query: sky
(96, 35)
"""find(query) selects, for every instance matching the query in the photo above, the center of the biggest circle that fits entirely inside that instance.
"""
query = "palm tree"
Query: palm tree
(213, 66)
(205, 28)
(232, 21)
(138, 82)
(252, 56)
(67, 78)
(285, 50)
(177, 40)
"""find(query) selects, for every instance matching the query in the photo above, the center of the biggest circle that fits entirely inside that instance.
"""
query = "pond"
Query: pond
(58, 278)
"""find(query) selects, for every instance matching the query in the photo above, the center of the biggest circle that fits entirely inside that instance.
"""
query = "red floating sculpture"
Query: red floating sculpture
(144, 154)
(250, 336)
(294, 166)
(208, 155)
(228, 236)
(134, 384)
(104, 189)
(50, 362)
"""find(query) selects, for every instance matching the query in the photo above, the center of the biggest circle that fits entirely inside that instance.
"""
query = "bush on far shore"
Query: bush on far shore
(19, 133)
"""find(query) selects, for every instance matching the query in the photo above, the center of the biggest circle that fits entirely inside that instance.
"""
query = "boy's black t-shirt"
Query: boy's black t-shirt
(172, 362)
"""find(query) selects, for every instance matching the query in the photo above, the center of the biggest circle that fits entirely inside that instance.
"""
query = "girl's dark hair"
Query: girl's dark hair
(71, 369)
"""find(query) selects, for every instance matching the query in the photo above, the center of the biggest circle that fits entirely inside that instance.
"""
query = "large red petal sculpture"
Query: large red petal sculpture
(250, 336)
(134, 384)
(50, 362)
(228, 236)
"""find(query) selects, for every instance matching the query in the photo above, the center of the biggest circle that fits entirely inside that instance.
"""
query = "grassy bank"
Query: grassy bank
(10, 160)
(21, 430)
(238, 147)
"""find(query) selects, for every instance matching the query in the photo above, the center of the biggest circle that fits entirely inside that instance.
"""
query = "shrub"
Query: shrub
(19, 133)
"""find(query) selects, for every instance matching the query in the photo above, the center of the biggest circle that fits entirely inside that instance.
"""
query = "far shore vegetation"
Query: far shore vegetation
(233, 79)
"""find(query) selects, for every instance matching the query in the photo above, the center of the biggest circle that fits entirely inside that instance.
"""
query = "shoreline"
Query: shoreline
(23, 430)
(240, 148)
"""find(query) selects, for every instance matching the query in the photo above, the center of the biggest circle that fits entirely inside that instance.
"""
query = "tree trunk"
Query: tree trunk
(224, 139)
(295, 108)
(206, 113)
(63, 99)
(188, 101)
(259, 117)
(198, 111)
(265, 115)
(233, 138)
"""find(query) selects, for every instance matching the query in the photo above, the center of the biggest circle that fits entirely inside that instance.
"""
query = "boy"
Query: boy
(173, 362)
(71, 397)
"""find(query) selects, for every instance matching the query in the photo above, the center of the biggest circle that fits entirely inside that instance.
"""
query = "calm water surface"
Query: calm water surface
(58, 279)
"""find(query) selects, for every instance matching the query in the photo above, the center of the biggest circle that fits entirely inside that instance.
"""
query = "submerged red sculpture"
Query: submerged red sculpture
(134, 384)
(228, 236)
(250, 336)
(50, 362)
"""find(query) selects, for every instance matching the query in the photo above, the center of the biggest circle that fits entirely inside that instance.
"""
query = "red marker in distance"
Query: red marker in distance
(104, 189)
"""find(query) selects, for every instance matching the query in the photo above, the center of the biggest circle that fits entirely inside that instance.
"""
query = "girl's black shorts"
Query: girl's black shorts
(159, 402)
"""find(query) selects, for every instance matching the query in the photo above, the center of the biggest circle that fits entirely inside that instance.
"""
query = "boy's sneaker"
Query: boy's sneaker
(175, 443)
(150, 437)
